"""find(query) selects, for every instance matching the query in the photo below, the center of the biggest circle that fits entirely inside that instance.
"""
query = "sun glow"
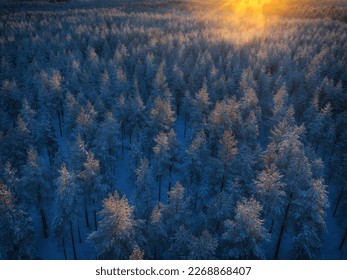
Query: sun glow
(242, 19)
(253, 12)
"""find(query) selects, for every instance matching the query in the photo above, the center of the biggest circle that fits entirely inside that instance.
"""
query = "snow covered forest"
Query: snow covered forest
(144, 130)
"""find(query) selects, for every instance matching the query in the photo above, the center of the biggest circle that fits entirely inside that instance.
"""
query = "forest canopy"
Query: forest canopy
(157, 130)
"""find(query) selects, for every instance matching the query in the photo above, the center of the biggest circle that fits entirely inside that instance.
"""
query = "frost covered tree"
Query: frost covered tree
(137, 254)
(164, 156)
(144, 194)
(137, 114)
(11, 99)
(67, 211)
(16, 142)
(280, 107)
(178, 86)
(196, 156)
(179, 249)
(320, 124)
(245, 234)
(159, 84)
(288, 153)
(201, 106)
(116, 234)
(71, 111)
(269, 188)
(13, 181)
(93, 189)
(225, 115)
(106, 145)
(49, 139)
(203, 247)
(308, 219)
(17, 237)
(86, 122)
(36, 185)
(157, 232)
(176, 212)
(220, 207)
(162, 115)
(227, 155)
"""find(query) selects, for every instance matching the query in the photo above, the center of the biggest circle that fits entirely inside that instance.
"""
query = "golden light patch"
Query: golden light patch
(253, 12)
(249, 17)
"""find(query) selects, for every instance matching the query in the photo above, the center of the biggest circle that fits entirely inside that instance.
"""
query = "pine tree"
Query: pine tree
(321, 126)
(17, 238)
(162, 116)
(308, 219)
(93, 189)
(67, 211)
(137, 254)
(179, 249)
(116, 234)
(227, 155)
(269, 188)
(201, 105)
(144, 195)
(157, 232)
(203, 247)
(196, 156)
(105, 146)
(246, 234)
(225, 115)
(13, 181)
(164, 155)
(177, 212)
(288, 153)
(36, 183)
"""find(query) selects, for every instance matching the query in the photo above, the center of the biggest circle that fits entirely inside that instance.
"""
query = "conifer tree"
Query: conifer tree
(245, 234)
(17, 237)
(116, 234)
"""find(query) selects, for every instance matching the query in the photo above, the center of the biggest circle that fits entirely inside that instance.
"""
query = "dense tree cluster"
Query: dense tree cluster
(157, 135)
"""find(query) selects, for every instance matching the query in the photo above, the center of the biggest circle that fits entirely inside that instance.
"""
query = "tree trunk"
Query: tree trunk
(79, 233)
(196, 199)
(223, 178)
(42, 211)
(155, 245)
(64, 248)
(49, 159)
(60, 126)
(282, 228)
(44, 223)
(338, 202)
(333, 149)
(85, 206)
(87, 220)
(170, 176)
(159, 194)
(217, 226)
(94, 210)
(95, 222)
(272, 225)
(343, 240)
(123, 134)
(73, 241)
(185, 126)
